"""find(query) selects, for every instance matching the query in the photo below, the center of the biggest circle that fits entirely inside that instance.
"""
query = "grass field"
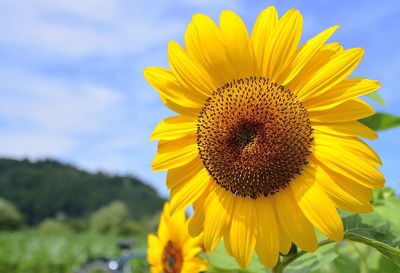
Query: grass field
(30, 252)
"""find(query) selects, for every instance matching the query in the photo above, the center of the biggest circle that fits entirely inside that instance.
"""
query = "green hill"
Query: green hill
(44, 188)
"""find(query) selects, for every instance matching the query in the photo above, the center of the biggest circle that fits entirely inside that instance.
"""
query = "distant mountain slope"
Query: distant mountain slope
(43, 188)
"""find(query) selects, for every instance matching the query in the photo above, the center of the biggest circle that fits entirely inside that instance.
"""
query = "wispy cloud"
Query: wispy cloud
(40, 111)
(85, 28)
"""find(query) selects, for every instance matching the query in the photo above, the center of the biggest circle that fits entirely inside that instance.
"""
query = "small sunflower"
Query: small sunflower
(266, 141)
(173, 250)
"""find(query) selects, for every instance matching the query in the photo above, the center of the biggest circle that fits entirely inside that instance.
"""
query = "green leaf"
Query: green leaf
(220, 261)
(373, 230)
(381, 196)
(381, 121)
(372, 243)
(312, 261)
(342, 264)
(385, 265)
(376, 97)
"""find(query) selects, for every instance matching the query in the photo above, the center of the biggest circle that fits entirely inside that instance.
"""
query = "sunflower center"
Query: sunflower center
(253, 136)
(244, 135)
(172, 258)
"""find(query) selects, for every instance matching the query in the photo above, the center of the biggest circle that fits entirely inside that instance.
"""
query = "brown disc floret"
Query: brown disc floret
(253, 136)
(172, 258)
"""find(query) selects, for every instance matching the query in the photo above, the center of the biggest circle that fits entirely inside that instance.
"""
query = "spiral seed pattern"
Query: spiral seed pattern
(253, 136)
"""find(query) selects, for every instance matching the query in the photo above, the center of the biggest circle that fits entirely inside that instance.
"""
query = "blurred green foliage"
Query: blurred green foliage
(30, 252)
(131, 228)
(10, 217)
(113, 219)
(53, 227)
(42, 189)
(376, 97)
(108, 219)
(381, 121)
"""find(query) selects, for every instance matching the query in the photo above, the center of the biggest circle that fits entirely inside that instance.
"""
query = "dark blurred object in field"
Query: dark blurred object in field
(43, 189)
(121, 264)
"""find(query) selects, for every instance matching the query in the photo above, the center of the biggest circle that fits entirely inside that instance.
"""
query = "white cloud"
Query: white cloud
(34, 144)
(212, 7)
(56, 104)
(85, 28)
(46, 115)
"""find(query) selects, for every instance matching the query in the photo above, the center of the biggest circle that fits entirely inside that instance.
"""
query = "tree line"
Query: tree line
(45, 188)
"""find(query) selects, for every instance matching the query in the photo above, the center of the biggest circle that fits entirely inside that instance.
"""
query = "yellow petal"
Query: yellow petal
(196, 222)
(184, 173)
(306, 52)
(167, 146)
(335, 71)
(177, 108)
(284, 240)
(175, 221)
(194, 265)
(352, 128)
(186, 193)
(204, 44)
(320, 59)
(165, 82)
(288, 211)
(227, 243)
(192, 247)
(342, 198)
(358, 191)
(282, 48)
(219, 209)
(351, 165)
(191, 75)
(350, 144)
(174, 127)
(242, 231)
(157, 269)
(174, 153)
(237, 44)
(162, 232)
(342, 92)
(267, 245)
(262, 34)
(316, 205)
(154, 250)
(350, 110)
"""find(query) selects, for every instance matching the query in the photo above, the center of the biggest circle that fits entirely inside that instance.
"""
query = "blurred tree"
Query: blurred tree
(10, 217)
(42, 189)
(109, 219)
(53, 227)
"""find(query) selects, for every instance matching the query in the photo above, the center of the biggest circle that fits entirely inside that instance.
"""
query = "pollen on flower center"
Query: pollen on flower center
(172, 258)
(253, 136)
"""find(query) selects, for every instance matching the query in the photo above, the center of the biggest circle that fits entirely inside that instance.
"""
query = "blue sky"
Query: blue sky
(71, 73)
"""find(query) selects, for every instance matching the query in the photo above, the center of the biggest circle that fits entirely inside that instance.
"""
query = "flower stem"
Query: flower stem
(281, 265)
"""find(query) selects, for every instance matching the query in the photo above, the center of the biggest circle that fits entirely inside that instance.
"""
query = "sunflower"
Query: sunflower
(266, 144)
(173, 250)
